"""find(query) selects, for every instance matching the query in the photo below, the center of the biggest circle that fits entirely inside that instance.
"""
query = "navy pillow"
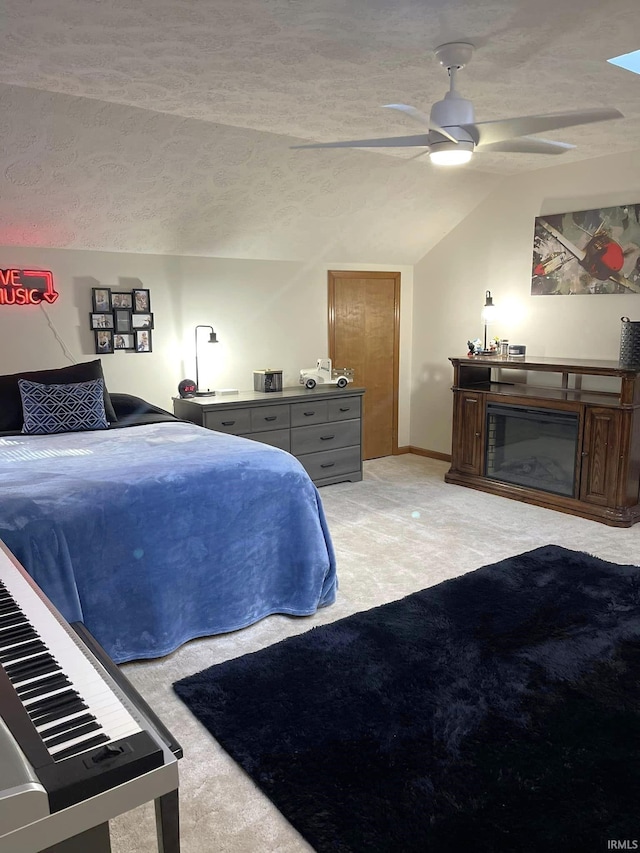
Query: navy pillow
(62, 408)
(11, 404)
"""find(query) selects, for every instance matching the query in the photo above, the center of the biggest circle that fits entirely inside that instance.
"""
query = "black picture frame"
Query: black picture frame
(141, 301)
(143, 340)
(104, 340)
(124, 341)
(142, 321)
(122, 318)
(100, 320)
(122, 299)
(101, 300)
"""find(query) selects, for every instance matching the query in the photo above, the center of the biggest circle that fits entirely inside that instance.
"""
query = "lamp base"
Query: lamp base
(205, 393)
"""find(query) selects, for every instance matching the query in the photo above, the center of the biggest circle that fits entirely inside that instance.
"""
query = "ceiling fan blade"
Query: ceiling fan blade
(527, 145)
(421, 139)
(422, 118)
(410, 111)
(488, 132)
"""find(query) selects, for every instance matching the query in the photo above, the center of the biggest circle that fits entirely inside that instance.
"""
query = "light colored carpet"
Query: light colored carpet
(400, 530)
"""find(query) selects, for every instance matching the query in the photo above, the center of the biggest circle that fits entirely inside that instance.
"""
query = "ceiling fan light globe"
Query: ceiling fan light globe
(450, 154)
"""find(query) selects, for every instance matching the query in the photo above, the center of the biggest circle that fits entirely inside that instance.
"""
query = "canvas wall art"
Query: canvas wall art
(587, 252)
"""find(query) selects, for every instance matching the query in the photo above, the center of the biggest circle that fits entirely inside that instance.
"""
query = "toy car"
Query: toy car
(324, 374)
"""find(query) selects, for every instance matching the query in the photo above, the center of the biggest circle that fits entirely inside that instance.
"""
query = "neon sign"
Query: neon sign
(26, 287)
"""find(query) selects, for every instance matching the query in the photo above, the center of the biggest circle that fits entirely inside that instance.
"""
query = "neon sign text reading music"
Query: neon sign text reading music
(26, 287)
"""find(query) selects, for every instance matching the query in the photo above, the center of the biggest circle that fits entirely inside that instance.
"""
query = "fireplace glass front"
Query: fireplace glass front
(532, 447)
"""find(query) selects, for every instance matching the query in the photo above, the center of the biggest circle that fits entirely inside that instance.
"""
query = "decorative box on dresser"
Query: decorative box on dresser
(322, 428)
(596, 403)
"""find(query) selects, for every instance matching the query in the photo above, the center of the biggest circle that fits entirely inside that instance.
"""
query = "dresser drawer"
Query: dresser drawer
(343, 409)
(235, 421)
(332, 463)
(269, 418)
(304, 414)
(310, 439)
(275, 438)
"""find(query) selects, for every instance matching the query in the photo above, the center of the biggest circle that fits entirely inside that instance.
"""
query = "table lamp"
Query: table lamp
(212, 340)
(488, 315)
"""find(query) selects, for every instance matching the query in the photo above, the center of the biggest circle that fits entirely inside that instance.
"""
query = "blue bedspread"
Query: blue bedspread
(153, 535)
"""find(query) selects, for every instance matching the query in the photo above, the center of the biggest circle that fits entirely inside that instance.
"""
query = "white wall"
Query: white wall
(274, 313)
(492, 250)
(266, 314)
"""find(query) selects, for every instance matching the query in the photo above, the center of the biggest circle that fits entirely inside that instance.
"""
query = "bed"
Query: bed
(155, 531)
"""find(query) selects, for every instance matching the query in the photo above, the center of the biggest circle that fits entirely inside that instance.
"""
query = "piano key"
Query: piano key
(18, 673)
(17, 647)
(118, 724)
(51, 692)
(22, 650)
(69, 725)
(58, 700)
(47, 684)
(9, 619)
(30, 702)
(57, 714)
(61, 754)
(115, 727)
(55, 740)
(102, 705)
(42, 679)
(68, 721)
(12, 635)
(35, 659)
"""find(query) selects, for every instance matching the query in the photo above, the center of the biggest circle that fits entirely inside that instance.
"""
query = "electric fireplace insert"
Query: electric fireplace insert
(532, 447)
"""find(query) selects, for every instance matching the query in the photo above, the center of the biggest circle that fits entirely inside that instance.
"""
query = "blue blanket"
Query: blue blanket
(153, 535)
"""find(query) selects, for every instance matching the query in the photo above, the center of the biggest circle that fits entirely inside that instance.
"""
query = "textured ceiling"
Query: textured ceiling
(165, 126)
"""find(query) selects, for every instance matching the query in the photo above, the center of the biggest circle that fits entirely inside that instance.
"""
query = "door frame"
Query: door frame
(332, 275)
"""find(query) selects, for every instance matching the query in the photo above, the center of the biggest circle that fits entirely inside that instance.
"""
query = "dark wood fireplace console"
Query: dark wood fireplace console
(604, 396)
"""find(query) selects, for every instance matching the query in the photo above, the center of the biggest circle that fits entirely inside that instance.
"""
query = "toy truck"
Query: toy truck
(324, 374)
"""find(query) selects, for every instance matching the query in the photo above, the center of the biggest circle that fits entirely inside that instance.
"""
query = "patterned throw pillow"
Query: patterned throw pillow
(11, 404)
(62, 408)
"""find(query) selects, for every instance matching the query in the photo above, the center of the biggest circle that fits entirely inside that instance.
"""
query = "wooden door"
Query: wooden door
(468, 429)
(364, 332)
(600, 455)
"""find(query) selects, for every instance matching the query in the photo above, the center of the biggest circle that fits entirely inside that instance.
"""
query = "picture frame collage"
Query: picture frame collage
(121, 320)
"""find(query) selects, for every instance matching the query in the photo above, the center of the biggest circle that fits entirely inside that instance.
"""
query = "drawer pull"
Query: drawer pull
(309, 414)
(228, 423)
(345, 408)
(271, 418)
(326, 437)
(327, 464)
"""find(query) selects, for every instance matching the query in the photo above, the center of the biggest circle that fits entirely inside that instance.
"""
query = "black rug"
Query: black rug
(498, 711)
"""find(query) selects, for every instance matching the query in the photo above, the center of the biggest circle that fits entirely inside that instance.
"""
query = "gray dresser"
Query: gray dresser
(322, 428)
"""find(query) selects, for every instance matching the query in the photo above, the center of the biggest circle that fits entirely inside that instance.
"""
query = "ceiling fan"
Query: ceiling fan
(453, 134)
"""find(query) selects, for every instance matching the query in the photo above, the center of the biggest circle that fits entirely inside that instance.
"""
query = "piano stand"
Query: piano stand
(168, 823)
(97, 838)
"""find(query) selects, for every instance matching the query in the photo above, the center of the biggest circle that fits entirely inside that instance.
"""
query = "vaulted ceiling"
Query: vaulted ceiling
(165, 126)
